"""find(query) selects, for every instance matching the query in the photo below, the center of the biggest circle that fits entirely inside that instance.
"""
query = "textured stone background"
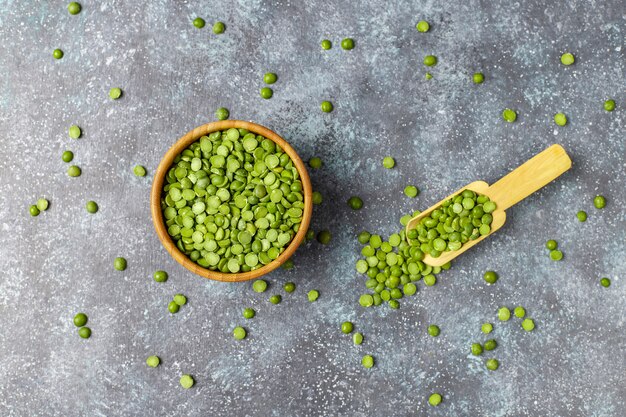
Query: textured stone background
(444, 133)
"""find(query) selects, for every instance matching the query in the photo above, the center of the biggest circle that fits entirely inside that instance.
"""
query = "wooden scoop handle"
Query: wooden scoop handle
(533, 174)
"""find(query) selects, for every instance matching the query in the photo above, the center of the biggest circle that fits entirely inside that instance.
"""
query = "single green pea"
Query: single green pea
(267, 93)
(219, 28)
(389, 162)
(430, 60)
(366, 300)
(490, 277)
(160, 276)
(347, 44)
(310, 234)
(324, 237)
(567, 59)
(67, 156)
(376, 241)
(362, 267)
(599, 202)
(92, 207)
(288, 264)
(222, 113)
(315, 162)
(560, 119)
(84, 332)
(355, 203)
(139, 171)
(504, 314)
(42, 204)
(327, 106)
(411, 191)
(316, 197)
(153, 361)
(609, 105)
(519, 312)
(367, 361)
(34, 211)
(75, 132)
(435, 399)
(491, 344)
(186, 381)
(556, 255)
(434, 330)
(430, 280)
(478, 78)
(115, 93)
(119, 264)
(357, 338)
(180, 299)
(173, 307)
(528, 325)
(364, 237)
(74, 8)
(326, 44)
(492, 364)
(428, 76)
(248, 313)
(259, 285)
(199, 22)
(486, 328)
(276, 299)
(313, 295)
(422, 26)
(409, 289)
(289, 287)
(551, 244)
(80, 319)
(74, 171)
(239, 333)
(57, 54)
(395, 304)
(477, 349)
(270, 78)
(581, 216)
(347, 327)
(605, 282)
(489, 206)
(404, 220)
(509, 115)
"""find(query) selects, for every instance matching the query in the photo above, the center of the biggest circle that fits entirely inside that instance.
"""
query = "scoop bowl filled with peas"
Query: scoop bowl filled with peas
(471, 214)
(231, 200)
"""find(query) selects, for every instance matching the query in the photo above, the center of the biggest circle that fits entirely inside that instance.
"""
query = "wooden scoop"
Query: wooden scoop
(509, 190)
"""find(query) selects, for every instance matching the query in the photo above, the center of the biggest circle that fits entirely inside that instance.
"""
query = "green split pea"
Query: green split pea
(219, 28)
(115, 93)
(74, 8)
(186, 381)
(153, 361)
(422, 26)
(233, 201)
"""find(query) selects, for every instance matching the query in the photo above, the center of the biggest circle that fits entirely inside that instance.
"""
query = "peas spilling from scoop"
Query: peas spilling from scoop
(393, 268)
(233, 201)
(462, 218)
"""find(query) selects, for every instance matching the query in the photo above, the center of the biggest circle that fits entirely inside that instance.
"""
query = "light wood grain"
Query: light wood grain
(157, 189)
(529, 177)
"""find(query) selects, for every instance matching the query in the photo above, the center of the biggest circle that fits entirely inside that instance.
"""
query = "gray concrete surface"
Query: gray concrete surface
(443, 133)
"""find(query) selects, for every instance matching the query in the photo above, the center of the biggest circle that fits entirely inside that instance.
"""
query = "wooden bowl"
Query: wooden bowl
(157, 189)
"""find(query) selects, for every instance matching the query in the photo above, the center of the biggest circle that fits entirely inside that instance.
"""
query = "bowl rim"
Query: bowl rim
(159, 179)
